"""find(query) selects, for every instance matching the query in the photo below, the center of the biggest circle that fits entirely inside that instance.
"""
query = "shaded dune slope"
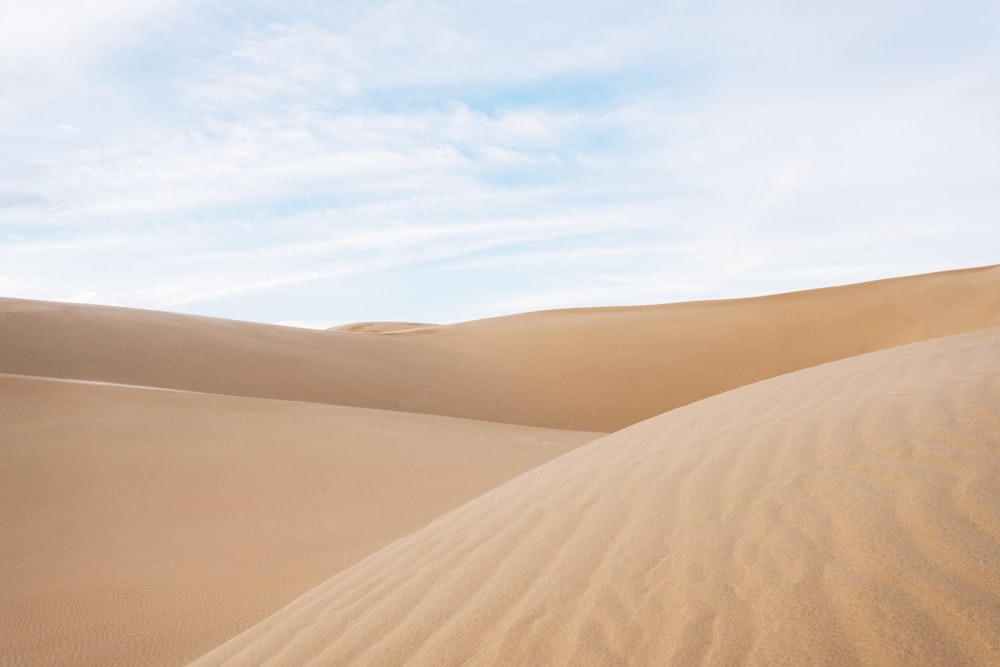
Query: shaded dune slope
(843, 514)
(144, 527)
(591, 369)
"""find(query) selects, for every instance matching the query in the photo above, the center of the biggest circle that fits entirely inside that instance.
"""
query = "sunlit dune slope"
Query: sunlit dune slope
(144, 527)
(592, 369)
(844, 514)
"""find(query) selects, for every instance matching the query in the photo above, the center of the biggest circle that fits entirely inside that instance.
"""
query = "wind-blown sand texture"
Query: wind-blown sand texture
(772, 511)
(845, 514)
(597, 369)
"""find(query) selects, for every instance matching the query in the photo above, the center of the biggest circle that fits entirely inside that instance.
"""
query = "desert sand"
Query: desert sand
(598, 369)
(845, 514)
(141, 526)
(382, 327)
(817, 481)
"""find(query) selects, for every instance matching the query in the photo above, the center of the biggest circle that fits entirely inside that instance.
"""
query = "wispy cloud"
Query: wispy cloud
(281, 63)
(172, 154)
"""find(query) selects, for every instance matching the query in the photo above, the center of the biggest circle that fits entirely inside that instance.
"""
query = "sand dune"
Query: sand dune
(844, 514)
(591, 369)
(383, 327)
(841, 514)
(144, 527)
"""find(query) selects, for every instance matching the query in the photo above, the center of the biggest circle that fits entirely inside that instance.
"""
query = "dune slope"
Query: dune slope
(144, 527)
(594, 369)
(844, 514)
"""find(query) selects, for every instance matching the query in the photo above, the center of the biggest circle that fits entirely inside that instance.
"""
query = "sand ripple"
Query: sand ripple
(844, 514)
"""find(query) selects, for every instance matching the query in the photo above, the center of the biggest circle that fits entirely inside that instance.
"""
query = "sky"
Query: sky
(314, 163)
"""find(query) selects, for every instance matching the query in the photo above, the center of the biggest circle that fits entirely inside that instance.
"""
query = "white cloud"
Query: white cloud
(267, 161)
(300, 63)
(59, 36)
(612, 152)
(309, 324)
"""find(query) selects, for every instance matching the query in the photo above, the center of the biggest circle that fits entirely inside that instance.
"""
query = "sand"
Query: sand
(144, 527)
(817, 481)
(383, 327)
(597, 369)
(845, 514)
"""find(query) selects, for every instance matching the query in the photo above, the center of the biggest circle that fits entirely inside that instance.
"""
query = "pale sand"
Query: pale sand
(592, 369)
(383, 327)
(844, 514)
(145, 527)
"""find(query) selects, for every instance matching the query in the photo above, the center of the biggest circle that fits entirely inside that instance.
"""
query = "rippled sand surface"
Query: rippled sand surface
(803, 478)
(845, 514)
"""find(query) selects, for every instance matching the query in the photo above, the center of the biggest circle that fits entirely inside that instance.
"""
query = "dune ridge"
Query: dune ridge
(597, 369)
(383, 327)
(842, 514)
(145, 526)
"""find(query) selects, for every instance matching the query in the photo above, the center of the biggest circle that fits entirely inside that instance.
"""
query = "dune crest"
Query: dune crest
(384, 327)
(844, 514)
(596, 369)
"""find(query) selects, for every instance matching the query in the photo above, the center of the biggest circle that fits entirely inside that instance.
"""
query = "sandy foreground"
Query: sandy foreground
(143, 526)
(405, 493)
(845, 514)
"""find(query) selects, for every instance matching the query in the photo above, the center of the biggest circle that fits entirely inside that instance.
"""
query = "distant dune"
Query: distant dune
(817, 481)
(597, 369)
(383, 327)
(844, 514)
(146, 526)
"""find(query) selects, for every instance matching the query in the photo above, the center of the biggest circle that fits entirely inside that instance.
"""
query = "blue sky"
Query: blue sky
(326, 162)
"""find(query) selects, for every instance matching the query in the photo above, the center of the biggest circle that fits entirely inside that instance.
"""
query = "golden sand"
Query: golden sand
(812, 484)
(595, 369)
(844, 514)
